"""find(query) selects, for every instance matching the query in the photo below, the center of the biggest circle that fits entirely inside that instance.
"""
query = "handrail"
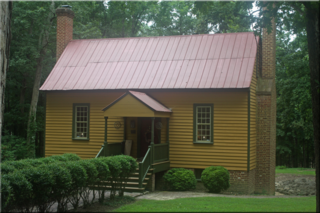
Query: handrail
(144, 167)
(98, 155)
(161, 152)
(109, 149)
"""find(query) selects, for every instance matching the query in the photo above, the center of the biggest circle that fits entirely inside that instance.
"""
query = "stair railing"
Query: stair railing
(144, 166)
(110, 149)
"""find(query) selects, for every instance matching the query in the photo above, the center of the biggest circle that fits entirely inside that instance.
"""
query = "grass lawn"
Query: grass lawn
(223, 204)
(297, 171)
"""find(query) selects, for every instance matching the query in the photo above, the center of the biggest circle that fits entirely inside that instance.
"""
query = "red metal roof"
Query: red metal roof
(145, 99)
(169, 62)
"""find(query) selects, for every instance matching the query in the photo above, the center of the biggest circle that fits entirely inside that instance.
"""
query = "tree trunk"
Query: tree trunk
(5, 38)
(43, 41)
(312, 13)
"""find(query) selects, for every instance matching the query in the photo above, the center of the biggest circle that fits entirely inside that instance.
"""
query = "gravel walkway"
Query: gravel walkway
(169, 195)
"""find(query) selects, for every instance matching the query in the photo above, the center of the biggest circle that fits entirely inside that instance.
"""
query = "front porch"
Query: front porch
(146, 127)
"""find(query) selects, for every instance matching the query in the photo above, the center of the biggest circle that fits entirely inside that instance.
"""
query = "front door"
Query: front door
(145, 135)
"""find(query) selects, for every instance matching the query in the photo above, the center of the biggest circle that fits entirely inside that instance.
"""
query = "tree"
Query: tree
(5, 37)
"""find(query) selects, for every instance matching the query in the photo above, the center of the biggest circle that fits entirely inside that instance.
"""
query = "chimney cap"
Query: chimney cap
(66, 6)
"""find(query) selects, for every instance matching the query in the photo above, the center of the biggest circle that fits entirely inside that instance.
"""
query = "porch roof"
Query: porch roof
(136, 104)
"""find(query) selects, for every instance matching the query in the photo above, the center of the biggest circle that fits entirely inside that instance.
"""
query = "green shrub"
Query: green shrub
(42, 182)
(92, 174)
(21, 190)
(6, 168)
(114, 165)
(79, 180)
(180, 179)
(63, 182)
(127, 167)
(6, 195)
(102, 168)
(48, 160)
(60, 158)
(215, 179)
(71, 156)
(20, 164)
(33, 162)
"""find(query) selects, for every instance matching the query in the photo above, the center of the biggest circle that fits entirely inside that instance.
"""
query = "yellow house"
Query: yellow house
(189, 101)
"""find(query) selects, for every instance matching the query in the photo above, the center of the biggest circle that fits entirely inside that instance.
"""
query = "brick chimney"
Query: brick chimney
(266, 116)
(64, 28)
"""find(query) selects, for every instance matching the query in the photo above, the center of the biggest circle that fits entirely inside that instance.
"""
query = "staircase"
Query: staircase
(132, 184)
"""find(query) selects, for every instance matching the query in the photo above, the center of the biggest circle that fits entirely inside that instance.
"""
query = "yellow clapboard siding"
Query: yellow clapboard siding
(230, 126)
(253, 106)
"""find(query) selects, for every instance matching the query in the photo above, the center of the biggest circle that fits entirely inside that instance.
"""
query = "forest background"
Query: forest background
(33, 55)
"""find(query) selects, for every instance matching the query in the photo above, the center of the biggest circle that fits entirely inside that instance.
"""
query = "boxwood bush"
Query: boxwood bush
(92, 174)
(21, 191)
(63, 182)
(6, 195)
(180, 179)
(71, 157)
(215, 179)
(79, 179)
(35, 184)
(7, 168)
(42, 182)
(128, 166)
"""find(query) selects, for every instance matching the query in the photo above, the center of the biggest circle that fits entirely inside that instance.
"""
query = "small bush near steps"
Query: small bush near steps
(215, 179)
(180, 179)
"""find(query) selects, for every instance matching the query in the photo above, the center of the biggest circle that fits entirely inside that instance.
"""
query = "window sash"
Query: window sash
(81, 122)
(203, 123)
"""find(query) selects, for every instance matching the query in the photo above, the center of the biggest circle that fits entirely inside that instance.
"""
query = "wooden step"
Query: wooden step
(138, 174)
(128, 183)
(127, 189)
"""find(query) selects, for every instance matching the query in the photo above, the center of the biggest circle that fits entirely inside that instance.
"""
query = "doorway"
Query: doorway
(144, 136)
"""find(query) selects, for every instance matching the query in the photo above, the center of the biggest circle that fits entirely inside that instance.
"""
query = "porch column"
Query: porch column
(152, 140)
(124, 128)
(105, 136)
(168, 119)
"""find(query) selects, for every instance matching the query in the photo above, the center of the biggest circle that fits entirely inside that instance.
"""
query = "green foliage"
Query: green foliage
(6, 195)
(281, 167)
(71, 156)
(19, 164)
(33, 162)
(215, 178)
(21, 190)
(6, 168)
(48, 160)
(42, 182)
(12, 147)
(115, 166)
(102, 168)
(60, 158)
(180, 179)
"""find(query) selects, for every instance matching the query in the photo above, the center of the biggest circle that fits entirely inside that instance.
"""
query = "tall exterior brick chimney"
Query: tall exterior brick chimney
(64, 29)
(266, 116)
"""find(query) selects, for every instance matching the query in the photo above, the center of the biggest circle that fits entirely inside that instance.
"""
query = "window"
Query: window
(203, 123)
(81, 121)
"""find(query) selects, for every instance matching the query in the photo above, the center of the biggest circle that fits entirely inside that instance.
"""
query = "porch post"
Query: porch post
(152, 140)
(105, 136)
(168, 119)
(124, 128)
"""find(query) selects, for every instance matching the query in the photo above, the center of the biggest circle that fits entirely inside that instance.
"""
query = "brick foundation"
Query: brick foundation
(242, 181)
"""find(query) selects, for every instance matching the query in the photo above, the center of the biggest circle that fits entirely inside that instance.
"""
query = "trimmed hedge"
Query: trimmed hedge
(215, 179)
(180, 179)
(35, 184)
